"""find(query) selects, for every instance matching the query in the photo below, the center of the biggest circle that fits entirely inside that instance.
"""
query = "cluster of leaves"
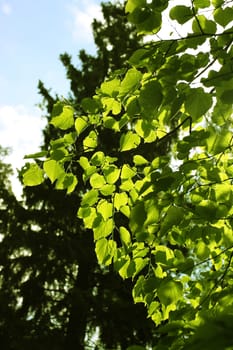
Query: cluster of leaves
(159, 200)
(53, 292)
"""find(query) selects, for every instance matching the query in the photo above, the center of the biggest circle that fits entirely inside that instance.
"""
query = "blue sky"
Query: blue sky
(32, 36)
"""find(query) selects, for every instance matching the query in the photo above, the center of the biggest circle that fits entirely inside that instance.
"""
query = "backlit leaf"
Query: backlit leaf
(181, 13)
(197, 103)
(36, 155)
(33, 176)
(125, 236)
(80, 124)
(111, 174)
(130, 81)
(203, 25)
(129, 141)
(223, 16)
(65, 120)
(105, 251)
(110, 87)
(227, 97)
(97, 181)
(90, 198)
(103, 228)
(105, 208)
(90, 105)
(53, 170)
(169, 292)
(150, 98)
(67, 182)
(120, 199)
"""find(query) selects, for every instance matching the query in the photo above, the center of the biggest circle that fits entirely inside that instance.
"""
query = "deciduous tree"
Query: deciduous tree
(58, 295)
(159, 200)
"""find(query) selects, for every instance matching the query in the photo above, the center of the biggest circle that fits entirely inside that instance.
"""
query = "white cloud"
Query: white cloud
(83, 13)
(6, 8)
(20, 130)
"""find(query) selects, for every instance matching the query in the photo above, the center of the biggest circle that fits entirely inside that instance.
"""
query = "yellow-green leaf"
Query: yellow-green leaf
(129, 141)
(53, 170)
(33, 176)
(80, 124)
(65, 120)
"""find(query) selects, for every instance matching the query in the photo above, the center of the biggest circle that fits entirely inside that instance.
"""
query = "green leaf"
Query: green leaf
(59, 143)
(33, 175)
(218, 141)
(136, 59)
(84, 162)
(137, 217)
(169, 292)
(217, 3)
(97, 159)
(197, 103)
(91, 141)
(120, 199)
(139, 160)
(201, 3)
(80, 124)
(124, 236)
(103, 228)
(105, 208)
(90, 105)
(150, 98)
(90, 198)
(227, 97)
(201, 250)
(125, 210)
(111, 122)
(110, 87)
(163, 255)
(105, 251)
(125, 267)
(41, 154)
(203, 25)
(70, 138)
(59, 154)
(146, 20)
(132, 106)
(131, 5)
(140, 263)
(127, 172)
(139, 289)
(111, 104)
(130, 82)
(67, 182)
(53, 170)
(174, 216)
(181, 14)
(152, 212)
(223, 16)
(223, 192)
(107, 189)
(206, 209)
(146, 130)
(97, 181)
(88, 214)
(65, 120)
(129, 141)
(111, 174)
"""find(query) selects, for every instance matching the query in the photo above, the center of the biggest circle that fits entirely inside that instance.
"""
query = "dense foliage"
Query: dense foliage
(158, 198)
(54, 295)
